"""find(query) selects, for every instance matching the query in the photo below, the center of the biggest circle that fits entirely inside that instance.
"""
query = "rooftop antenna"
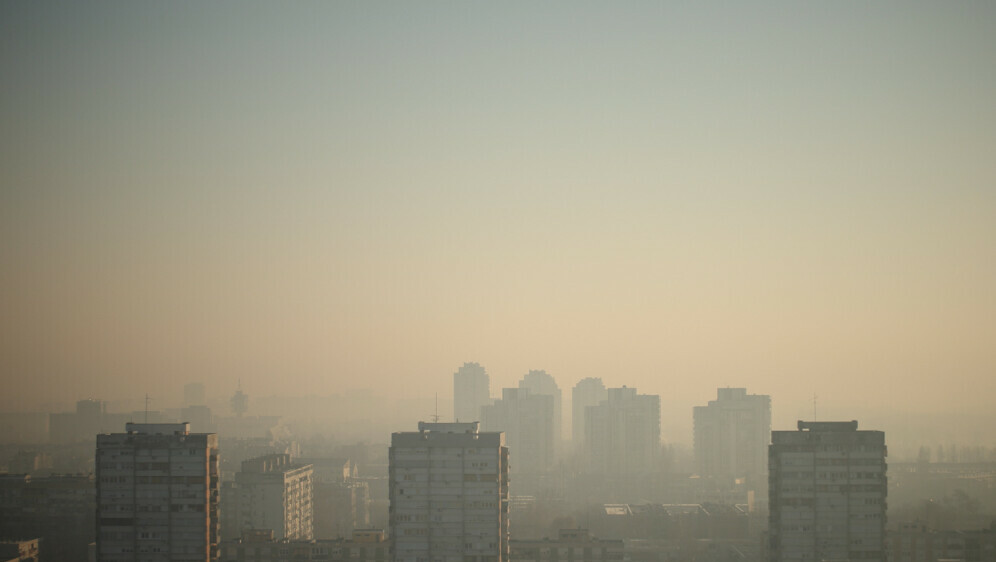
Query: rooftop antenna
(814, 406)
(435, 416)
(147, 408)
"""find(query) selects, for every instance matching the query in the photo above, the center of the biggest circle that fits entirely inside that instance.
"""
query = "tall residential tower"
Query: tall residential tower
(449, 494)
(157, 494)
(827, 493)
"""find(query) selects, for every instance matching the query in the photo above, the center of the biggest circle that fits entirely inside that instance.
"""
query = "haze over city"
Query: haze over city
(328, 197)
(497, 282)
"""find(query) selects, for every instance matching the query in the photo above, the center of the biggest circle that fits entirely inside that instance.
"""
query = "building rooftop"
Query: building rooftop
(828, 426)
(158, 428)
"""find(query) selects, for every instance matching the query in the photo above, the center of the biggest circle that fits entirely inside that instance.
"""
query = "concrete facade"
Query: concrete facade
(449, 494)
(827, 493)
(157, 494)
(60, 510)
(271, 492)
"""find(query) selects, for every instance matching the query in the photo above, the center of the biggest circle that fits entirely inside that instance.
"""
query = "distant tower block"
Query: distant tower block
(240, 402)
(623, 433)
(731, 438)
(587, 392)
(541, 383)
(471, 392)
(527, 421)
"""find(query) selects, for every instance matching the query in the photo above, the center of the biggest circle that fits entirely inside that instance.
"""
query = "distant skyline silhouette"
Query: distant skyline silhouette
(322, 197)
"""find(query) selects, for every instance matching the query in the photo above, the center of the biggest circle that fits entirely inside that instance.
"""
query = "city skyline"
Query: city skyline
(793, 199)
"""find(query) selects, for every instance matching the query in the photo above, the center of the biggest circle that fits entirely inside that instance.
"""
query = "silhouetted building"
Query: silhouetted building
(623, 433)
(199, 418)
(449, 494)
(239, 402)
(471, 392)
(732, 435)
(341, 502)
(157, 494)
(81, 425)
(528, 423)
(587, 392)
(542, 383)
(58, 510)
(827, 493)
(270, 492)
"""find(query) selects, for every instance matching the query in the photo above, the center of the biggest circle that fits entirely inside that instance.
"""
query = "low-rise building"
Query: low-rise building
(366, 545)
(571, 545)
(915, 542)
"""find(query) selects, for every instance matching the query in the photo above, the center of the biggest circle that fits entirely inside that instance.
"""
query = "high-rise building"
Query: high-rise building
(528, 423)
(587, 392)
(270, 492)
(623, 433)
(471, 391)
(731, 438)
(157, 494)
(827, 493)
(449, 494)
(542, 383)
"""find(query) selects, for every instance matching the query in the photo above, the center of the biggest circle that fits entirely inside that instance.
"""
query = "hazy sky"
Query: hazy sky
(794, 197)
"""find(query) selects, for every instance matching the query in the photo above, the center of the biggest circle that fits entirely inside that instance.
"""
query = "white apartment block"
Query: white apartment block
(157, 494)
(273, 493)
(449, 494)
(827, 493)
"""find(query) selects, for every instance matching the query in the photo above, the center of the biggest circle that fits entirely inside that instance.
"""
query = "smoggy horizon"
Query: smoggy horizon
(794, 199)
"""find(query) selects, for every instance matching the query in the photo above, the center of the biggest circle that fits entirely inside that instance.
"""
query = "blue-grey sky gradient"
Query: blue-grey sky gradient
(793, 197)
